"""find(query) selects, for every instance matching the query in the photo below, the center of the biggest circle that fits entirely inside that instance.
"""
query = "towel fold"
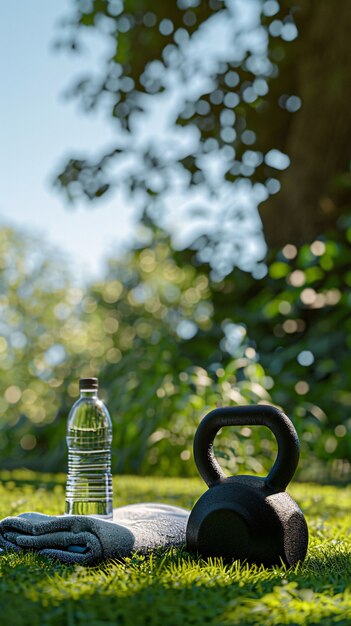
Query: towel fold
(89, 540)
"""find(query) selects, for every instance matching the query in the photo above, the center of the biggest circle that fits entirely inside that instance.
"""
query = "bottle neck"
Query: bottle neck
(89, 393)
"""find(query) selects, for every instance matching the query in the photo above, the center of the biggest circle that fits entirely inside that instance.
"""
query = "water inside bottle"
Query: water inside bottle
(89, 480)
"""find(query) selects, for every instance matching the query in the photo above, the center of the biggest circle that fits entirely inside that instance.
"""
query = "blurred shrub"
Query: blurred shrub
(143, 330)
(169, 344)
(162, 373)
(286, 334)
(43, 348)
(298, 315)
(50, 335)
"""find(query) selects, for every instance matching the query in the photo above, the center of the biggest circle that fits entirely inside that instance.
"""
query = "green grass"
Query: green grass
(174, 588)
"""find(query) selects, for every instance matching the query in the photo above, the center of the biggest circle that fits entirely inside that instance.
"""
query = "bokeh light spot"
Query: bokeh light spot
(318, 248)
(28, 442)
(302, 387)
(305, 358)
(340, 430)
(290, 251)
(13, 394)
(297, 278)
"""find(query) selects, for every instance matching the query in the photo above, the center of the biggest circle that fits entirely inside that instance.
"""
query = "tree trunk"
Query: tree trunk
(318, 141)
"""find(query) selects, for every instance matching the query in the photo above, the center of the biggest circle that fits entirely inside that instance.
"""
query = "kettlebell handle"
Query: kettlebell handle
(255, 415)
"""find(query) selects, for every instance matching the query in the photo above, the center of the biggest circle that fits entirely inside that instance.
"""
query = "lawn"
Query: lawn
(175, 588)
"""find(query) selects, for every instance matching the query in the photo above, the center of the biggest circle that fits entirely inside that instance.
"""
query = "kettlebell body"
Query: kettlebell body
(248, 517)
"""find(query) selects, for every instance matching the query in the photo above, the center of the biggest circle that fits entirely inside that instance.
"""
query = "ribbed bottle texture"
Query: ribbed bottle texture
(89, 437)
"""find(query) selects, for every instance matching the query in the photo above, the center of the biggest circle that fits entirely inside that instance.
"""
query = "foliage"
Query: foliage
(132, 329)
(191, 88)
(165, 369)
(36, 332)
(186, 344)
(44, 347)
(201, 132)
(174, 587)
(298, 318)
(169, 344)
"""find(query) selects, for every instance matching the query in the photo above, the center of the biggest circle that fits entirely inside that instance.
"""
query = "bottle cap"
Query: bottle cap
(85, 384)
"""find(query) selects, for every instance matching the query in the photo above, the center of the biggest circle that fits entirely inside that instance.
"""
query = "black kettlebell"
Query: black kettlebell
(248, 517)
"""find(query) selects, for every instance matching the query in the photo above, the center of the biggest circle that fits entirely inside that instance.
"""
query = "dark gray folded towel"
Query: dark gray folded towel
(89, 540)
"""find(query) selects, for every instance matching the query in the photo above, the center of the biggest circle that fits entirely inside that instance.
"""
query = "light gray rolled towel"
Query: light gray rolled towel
(89, 540)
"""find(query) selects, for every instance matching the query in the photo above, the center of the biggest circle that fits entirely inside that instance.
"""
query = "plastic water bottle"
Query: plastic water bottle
(89, 437)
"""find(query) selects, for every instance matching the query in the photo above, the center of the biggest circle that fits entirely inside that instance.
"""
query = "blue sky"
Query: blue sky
(39, 128)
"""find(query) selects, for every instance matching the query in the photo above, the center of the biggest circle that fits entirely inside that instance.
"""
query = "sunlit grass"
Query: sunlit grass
(174, 587)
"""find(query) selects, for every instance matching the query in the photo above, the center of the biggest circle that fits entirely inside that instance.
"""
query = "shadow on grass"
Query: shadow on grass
(335, 568)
